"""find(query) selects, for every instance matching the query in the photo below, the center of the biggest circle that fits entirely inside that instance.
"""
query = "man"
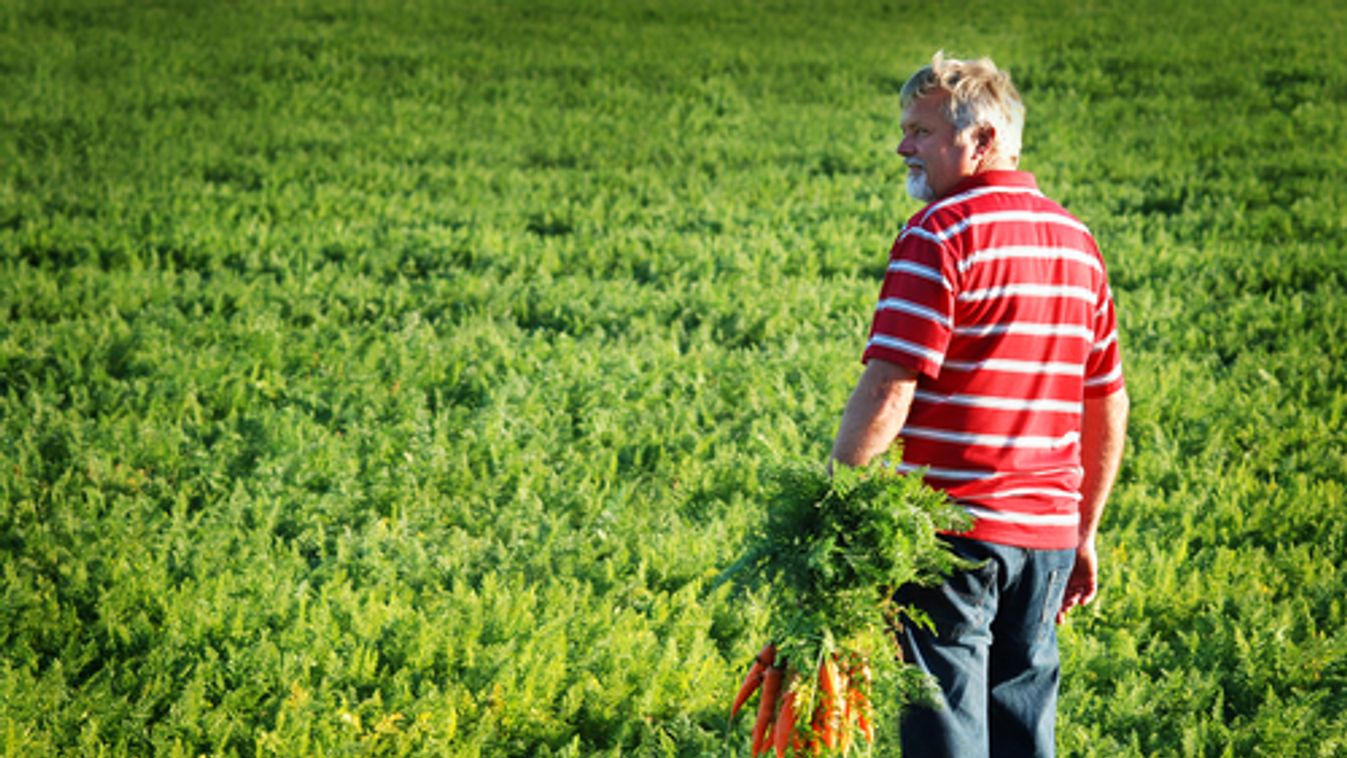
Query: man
(993, 356)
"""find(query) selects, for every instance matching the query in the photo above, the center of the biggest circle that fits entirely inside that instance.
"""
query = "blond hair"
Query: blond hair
(980, 95)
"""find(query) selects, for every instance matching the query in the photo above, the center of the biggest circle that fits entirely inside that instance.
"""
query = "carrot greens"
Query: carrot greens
(832, 550)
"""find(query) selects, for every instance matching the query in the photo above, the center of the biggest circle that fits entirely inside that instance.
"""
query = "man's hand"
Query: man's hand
(1103, 434)
(1083, 583)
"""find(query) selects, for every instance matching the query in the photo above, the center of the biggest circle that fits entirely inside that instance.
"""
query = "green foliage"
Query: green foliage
(830, 554)
(834, 548)
(395, 378)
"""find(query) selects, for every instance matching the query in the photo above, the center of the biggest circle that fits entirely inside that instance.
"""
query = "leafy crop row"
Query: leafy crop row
(396, 378)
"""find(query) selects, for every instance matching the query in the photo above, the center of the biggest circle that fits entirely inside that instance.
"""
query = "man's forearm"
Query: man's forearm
(1103, 434)
(875, 413)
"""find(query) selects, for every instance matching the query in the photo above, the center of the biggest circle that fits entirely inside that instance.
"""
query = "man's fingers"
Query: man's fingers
(1087, 595)
(1068, 600)
(1075, 595)
(1081, 583)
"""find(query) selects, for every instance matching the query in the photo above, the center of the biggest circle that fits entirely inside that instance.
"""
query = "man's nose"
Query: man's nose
(905, 148)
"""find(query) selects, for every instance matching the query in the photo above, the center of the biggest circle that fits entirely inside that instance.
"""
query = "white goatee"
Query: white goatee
(917, 186)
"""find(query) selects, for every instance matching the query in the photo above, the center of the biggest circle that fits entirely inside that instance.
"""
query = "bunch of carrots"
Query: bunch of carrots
(831, 550)
(838, 700)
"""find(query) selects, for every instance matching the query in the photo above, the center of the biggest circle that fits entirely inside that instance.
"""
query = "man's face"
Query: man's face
(936, 158)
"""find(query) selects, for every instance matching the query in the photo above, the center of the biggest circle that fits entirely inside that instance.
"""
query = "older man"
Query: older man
(993, 356)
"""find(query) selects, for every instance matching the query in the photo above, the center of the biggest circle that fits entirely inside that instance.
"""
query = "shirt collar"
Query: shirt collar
(994, 179)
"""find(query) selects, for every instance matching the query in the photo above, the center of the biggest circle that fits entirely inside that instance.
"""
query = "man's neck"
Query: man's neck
(995, 162)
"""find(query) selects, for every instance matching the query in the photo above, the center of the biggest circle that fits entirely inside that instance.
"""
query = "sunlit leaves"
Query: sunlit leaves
(396, 378)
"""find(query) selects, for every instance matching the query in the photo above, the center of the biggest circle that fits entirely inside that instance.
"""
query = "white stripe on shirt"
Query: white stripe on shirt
(913, 309)
(1104, 343)
(916, 269)
(1000, 403)
(963, 475)
(917, 231)
(911, 348)
(994, 217)
(1045, 253)
(1032, 492)
(1102, 310)
(1029, 290)
(1028, 327)
(978, 192)
(1105, 379)
(1017, 367)
(1065, 519)
(1022, 442)
(1033, 217)
(977, 475)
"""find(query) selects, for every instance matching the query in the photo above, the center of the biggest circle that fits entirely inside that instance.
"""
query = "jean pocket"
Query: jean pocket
(961, 605)
(1052, 597)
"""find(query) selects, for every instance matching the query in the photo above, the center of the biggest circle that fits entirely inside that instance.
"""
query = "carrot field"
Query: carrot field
(397, 377)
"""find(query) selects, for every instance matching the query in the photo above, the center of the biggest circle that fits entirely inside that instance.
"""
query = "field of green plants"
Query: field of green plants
(396, 377)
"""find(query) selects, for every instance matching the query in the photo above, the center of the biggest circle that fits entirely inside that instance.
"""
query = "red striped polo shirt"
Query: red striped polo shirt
(999, 300)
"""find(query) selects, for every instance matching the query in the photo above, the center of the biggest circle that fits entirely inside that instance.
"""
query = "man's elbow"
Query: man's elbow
(1120, 406)
(1110, 411)
(889, 382)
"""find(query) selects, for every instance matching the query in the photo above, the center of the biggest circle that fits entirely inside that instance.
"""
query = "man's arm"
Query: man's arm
(875, 413)
(1103, 432)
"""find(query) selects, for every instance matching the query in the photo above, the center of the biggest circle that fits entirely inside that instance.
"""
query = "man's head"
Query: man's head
(960, 118)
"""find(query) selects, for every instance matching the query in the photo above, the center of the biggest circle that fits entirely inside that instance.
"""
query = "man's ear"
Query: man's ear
(984, 139)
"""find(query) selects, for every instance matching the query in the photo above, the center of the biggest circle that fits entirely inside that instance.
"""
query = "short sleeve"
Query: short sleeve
(1103, 368)
(914, 319)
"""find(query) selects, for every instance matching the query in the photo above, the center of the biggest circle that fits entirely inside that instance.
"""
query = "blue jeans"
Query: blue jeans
(993, 653)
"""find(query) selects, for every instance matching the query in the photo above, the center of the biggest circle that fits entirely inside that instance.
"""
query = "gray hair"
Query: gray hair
(980, 95)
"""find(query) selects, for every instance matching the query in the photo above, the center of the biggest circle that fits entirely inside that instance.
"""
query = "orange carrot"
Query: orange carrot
(754, 678)
(827, 678)
(817, 724)
(862, 704)
(785, 724)
(863, 717)
(830, 696)
(820, 726)
(746, 690)
(844, 713)
(867, 728)
(771, 686)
